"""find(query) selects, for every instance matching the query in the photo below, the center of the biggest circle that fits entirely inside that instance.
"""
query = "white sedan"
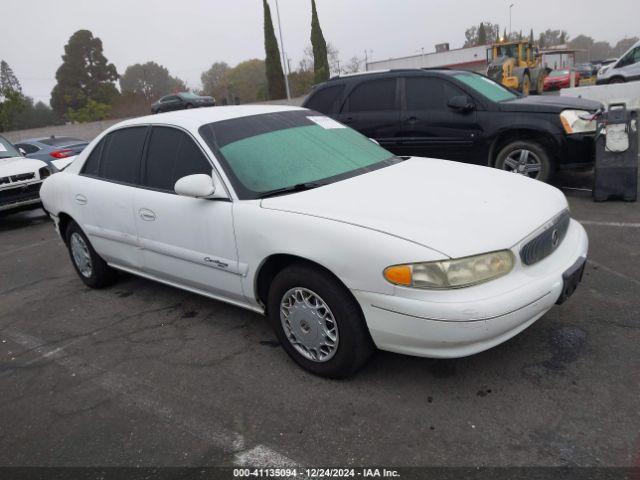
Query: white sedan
(344, 246)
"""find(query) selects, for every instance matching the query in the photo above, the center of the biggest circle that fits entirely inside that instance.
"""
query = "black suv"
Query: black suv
(464, 116)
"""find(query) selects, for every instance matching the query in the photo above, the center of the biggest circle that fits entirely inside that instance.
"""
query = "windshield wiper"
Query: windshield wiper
(300, 187)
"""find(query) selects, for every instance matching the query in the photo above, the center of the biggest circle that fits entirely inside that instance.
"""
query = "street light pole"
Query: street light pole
(284, 57)
(510, 7)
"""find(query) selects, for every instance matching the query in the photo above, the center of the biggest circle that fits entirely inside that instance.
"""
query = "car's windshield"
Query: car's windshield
(7, 150)
(559, 73)
(273, 151)
(486, 87)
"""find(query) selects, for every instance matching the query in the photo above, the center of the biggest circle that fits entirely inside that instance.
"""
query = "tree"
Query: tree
(531, 37)
(472, 34)
(35, 116)
(150, 81)
(583, 46)
(505, 37)
(275, 75)
(551, 38)
(8, 80)
(91, 112)
(12, 102)
(214, 80)
(622, 46)
(482, 35)
(84, 75)
(247, 82)
(320, 61)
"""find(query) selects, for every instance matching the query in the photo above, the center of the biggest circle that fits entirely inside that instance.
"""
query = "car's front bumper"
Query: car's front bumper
(470, 320)
(20, 197)
(577, 150)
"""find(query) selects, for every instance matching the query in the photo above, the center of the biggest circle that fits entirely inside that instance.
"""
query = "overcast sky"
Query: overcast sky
(187, 36)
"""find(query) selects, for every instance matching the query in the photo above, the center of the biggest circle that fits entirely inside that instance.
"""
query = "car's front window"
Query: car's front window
(7, 150)
(268, 152)
(486, 87)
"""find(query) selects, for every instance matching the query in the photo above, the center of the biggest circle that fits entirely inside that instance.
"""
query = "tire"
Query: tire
(537, 155)
(301, 285)
(188, 106)
(99, 274)
(617, 80)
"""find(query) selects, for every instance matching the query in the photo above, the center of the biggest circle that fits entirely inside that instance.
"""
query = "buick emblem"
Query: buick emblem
(555, 238)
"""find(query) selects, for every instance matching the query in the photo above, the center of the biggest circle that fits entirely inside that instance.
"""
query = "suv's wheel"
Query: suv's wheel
(617, 80)
(526, 84)
(318, 322)
(92, 269)
(527, 158)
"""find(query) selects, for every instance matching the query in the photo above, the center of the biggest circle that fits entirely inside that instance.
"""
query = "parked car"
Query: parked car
(57, 151)
(20, 179)
(587, 70)
(344, 246)
(558, 79)
(181, 101)
(462, 116)
(626, 69)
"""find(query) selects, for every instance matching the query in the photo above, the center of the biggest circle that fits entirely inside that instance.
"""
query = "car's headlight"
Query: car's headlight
(578, 121)
(455, 273)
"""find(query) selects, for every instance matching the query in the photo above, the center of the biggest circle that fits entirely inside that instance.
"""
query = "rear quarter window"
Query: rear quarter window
(326, 100)
(122, 155)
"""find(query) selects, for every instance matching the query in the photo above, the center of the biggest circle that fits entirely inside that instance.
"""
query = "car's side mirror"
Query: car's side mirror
(461, 103)
(197, 186)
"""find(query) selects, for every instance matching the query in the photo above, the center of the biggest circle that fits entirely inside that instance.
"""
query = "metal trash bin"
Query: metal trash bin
(616, 170)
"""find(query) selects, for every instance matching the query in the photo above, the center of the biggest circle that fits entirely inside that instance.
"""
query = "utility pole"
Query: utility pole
(366, 60)
(284, 56)
(510, 7)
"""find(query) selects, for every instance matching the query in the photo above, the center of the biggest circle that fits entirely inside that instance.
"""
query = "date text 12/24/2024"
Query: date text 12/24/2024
(313, 473)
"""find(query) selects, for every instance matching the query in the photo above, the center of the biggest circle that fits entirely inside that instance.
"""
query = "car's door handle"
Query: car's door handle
(147, 215)
(81, 199)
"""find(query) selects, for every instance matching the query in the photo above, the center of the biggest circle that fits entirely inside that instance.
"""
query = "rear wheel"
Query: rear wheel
(527, 158)
(91, 269)
(617, 80)
(318, 322)
(526, 84)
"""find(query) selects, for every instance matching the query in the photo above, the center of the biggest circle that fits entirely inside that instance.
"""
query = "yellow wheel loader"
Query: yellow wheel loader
(517, 65)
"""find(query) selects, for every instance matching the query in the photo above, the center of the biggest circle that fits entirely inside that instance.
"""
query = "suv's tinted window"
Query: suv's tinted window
(429, 93)
(92, 165)
(172, 154)
(122, 152)
(326, 100)
(374, 95)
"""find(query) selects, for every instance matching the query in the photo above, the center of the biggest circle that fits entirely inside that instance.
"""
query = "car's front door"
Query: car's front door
(430, 128)
(372, 108)
(629, 65)
(103, 194)
(188, 241)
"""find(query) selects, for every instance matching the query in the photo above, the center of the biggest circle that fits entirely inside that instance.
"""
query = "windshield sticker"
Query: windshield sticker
(326, 122)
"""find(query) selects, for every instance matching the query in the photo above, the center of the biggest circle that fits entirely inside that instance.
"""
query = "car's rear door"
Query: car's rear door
(188, 241)
(429, 127)
(104, 192)
(372, 108)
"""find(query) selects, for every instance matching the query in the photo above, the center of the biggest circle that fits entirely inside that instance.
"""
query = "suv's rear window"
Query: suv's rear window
(326, 100)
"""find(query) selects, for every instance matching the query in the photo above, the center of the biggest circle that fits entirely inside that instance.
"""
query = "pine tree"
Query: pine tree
(320, 59)
(482, 35)
(84, 75)
(531, 37)
(504, 35)
(275, 75)
(8, 80)
(497, 33)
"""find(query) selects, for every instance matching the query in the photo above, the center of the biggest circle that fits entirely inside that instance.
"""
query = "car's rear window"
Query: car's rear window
(486, 87)
(61, 141)
(262, 153)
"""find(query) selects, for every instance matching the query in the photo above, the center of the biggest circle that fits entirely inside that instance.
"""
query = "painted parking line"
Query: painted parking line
(614, 272)
(132, 393)
(609, 224)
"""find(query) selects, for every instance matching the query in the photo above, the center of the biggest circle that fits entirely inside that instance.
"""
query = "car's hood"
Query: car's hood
(16, 165)
(454, 208)
(548, 104)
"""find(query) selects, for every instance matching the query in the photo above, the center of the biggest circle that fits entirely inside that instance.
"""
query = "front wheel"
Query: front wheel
(526, 158)
(318, 322)
(91, 269)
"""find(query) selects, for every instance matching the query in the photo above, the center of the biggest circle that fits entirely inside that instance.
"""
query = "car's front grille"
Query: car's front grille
(546, 242)
(20, 194)
(21, 177)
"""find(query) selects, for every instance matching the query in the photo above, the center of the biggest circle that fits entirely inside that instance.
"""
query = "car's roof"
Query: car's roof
(196, 117)
(360, 76)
